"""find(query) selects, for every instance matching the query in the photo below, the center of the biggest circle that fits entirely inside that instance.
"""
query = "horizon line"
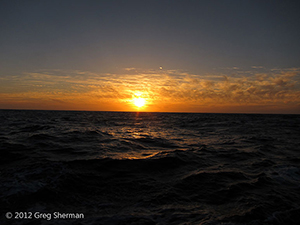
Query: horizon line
(70, 110)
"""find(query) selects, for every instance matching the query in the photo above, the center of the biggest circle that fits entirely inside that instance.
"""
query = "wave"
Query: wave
(127, 168)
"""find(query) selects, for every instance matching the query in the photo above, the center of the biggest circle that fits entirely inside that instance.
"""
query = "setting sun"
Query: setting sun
(139, 102)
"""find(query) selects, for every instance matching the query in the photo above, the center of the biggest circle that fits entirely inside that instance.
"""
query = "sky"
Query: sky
(222, 56)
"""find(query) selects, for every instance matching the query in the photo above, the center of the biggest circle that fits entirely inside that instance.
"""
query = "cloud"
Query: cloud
(274, 87)
(130, 69)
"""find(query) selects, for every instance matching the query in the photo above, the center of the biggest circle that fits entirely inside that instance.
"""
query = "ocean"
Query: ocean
(68, 167)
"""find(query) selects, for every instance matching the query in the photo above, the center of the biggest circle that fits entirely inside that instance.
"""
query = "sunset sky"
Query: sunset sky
(225, 56)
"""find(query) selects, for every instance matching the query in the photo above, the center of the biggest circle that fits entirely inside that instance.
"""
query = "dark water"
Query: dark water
(150, 168)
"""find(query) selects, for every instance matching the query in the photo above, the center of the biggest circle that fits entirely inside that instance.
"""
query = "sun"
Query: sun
(139, 102)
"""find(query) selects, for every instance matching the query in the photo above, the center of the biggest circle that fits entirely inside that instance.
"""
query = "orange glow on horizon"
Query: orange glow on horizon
(152, 92)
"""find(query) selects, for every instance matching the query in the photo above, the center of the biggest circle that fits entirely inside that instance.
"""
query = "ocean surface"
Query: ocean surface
(149, 168)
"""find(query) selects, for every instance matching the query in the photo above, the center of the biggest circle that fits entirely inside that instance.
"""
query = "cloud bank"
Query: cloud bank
(165, 90)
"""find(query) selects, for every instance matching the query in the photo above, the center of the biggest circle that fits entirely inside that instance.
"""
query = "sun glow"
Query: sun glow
(139, 102)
